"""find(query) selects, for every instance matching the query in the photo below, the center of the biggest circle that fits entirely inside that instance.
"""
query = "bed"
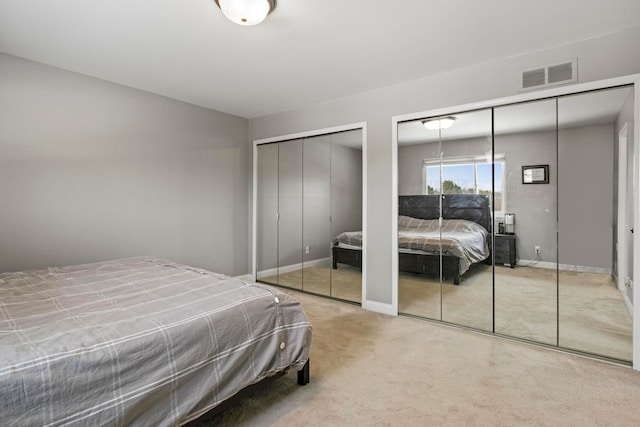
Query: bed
(139, 341)
(465, 238)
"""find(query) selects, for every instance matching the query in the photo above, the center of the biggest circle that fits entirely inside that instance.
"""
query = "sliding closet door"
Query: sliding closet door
(316, 210)
(560, 174)
(593, 316)
(466, 181)
(309, 191)
(346, 208)
(525, 239)
(267, 213)
(290, 243)
(419, 176)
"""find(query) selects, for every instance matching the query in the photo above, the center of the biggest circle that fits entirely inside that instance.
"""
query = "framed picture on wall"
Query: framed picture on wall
(537, 174)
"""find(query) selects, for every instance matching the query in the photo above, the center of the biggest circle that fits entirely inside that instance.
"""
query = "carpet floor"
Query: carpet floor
(372, 369)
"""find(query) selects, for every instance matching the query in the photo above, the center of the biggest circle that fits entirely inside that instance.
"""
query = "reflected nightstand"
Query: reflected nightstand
(504, 246)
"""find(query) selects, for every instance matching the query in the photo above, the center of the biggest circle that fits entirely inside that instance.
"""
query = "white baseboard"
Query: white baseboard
(379, 307)
(563, 267)
(292, 267)
(619, 284)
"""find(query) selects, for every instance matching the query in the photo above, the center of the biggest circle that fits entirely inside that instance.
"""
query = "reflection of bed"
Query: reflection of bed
(139, 342)
(465, 240)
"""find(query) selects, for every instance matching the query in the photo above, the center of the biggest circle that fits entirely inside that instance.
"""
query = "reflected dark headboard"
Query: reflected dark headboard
(472, 207)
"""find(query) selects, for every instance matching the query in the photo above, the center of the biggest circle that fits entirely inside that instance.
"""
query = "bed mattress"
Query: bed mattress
(138, 341)
(457, 237)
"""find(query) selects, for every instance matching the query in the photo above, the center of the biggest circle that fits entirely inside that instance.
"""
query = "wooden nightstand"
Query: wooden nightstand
(504, 247)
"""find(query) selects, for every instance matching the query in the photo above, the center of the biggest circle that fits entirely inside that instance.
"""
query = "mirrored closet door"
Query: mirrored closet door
(316, 213)
(290, 197)
(466, 191)
(267, 209)
(594, 315)
(445, 195)
(525, 250)
(309, 214)
(346, 215)
(419, 174)
(559, 179)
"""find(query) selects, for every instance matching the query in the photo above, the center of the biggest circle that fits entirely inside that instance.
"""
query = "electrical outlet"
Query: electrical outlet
(537, 249)
(307, 249)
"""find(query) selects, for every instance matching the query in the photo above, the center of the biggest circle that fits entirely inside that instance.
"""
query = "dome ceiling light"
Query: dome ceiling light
(246, 12)
(439, 123)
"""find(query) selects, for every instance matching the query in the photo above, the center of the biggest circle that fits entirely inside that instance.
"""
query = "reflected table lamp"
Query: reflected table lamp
(509, 223)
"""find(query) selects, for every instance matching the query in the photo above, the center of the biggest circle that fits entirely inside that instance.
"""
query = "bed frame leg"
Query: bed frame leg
(303, 374)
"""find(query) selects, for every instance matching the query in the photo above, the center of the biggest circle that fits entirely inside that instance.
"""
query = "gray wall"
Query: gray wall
(608, 56)
(91, 171)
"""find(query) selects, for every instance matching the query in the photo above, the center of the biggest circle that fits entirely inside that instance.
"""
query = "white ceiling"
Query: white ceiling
(306, 51)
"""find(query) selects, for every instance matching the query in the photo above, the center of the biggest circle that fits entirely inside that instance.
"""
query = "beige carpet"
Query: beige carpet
(372, 369)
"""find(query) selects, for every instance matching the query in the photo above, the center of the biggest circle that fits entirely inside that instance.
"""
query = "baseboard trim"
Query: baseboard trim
(562, 267)
(379, 307)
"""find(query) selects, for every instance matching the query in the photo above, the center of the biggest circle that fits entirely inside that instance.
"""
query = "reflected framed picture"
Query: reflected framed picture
(537, 174)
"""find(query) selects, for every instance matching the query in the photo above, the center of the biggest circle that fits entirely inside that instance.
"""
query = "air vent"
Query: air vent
(550, 75)
(532, 78)
(560, 73)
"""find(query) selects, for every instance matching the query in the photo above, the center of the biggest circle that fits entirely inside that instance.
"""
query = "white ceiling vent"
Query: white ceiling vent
(550, 75)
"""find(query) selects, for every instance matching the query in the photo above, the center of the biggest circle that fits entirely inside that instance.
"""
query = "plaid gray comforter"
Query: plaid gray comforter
(463, 239)
(137, 342)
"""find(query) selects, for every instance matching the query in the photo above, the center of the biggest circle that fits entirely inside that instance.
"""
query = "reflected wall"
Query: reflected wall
(592, 316)
(526, 298)
(267, 213)
(316, 212)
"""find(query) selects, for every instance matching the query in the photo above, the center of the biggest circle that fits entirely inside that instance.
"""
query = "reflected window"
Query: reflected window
(465, 177)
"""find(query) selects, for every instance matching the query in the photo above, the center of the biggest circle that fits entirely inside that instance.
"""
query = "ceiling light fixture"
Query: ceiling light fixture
(246, 12)
(439, 123)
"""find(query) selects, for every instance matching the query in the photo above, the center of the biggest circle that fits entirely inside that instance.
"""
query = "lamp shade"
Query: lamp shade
(246, 12)
(509, 223)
